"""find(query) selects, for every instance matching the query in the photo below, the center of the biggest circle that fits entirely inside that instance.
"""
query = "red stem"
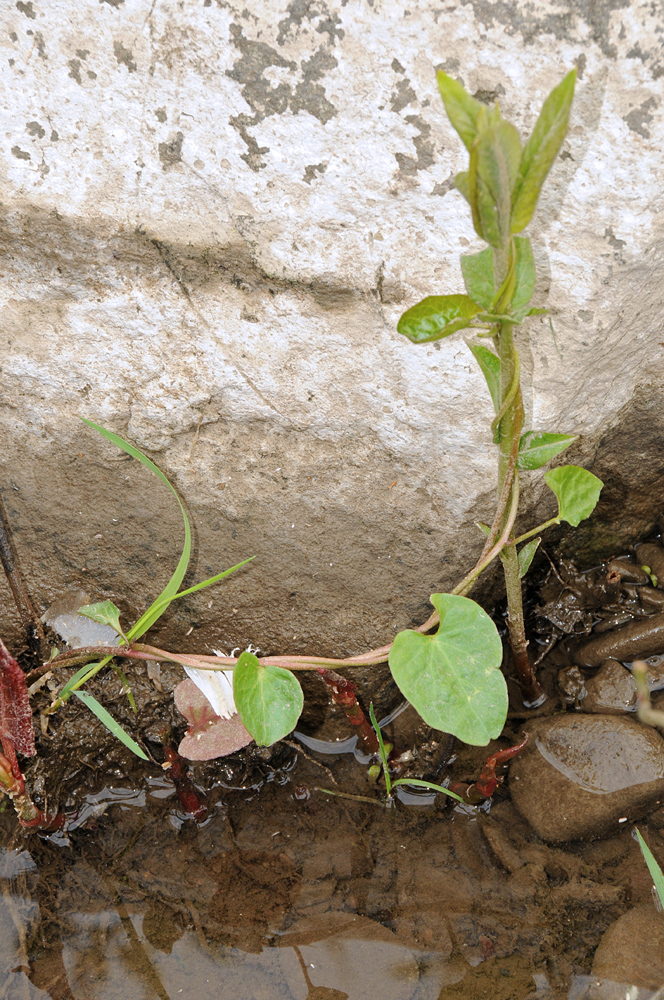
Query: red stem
(343, 695)
(192, 801)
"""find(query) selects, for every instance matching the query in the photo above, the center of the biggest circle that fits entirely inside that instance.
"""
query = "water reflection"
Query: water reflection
(312, 899)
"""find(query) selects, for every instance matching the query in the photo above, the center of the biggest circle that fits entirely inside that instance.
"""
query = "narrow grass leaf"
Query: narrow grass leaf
(107, 720)
(165, 601)
(419, 783)
(655, 871)
(126, 686)
(156, 609)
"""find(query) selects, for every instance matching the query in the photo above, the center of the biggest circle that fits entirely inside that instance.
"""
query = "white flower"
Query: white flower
(217, 686)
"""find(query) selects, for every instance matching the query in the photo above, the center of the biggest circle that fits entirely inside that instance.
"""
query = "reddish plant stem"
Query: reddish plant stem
(13, 785)
(488, 780)
(343, 694)
(192, 801)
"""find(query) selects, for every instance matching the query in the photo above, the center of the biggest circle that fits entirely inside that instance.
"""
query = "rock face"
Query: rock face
(211, 220)
(582, 774)
(632, 950)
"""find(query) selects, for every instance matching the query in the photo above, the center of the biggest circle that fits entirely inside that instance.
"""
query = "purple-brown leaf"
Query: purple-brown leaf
(209, 736)
(15, 714)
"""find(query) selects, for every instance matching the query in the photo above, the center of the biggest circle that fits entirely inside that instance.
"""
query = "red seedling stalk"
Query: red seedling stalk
(192, 801)
(488, 780)
(343, 695)
(17, 733)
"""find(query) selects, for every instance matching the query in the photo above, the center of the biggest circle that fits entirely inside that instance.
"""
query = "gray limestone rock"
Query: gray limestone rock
(211, 221)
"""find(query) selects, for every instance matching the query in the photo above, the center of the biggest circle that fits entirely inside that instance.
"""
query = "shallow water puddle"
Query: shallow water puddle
(292, 895)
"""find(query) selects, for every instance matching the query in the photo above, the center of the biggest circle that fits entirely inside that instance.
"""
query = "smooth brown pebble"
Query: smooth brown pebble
(583, 776)
(611, 691)
(632, 950)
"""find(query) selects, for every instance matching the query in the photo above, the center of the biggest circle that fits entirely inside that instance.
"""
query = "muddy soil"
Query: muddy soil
(286, 891)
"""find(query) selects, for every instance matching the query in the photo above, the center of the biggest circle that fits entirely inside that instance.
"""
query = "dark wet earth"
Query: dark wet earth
(287, 893)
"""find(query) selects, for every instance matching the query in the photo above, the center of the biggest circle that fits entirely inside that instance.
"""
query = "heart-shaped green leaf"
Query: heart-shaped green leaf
(536, 448)
(268, 698)
(577, 491)
(437, 316)
(541, 150)
(453, 678)
(490, 365)
(526, 555)
(477, 270)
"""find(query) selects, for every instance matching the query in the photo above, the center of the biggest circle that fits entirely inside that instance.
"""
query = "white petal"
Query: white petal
(217, 686)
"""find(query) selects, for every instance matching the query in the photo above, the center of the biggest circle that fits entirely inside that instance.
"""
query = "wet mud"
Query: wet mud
(283, 890)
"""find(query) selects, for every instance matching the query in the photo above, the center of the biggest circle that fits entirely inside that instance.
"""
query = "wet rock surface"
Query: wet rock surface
(638, 640)
(632, 950)
(612, 690)
(582, 774)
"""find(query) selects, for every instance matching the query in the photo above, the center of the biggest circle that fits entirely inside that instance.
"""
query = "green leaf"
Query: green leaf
(577, 491)
(156, 609)
(81, 675)
(453, 678)
(655, 871)
(462, 109)
(494, 164)
(524, 279)
(526, 554)
(419, 783)
(477, 270)
(490, 365)
(437, 316)
(536, 448)
(163, 602)
(110, 723)
(269, 699)
(461, 184)
(537, 312)
(105, 613)
(541, 150)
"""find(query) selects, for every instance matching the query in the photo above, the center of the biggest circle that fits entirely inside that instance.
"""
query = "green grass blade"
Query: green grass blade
(156, 609)
(655, 871)
(165, 601)
(427, 784)
(113, 727)
(83, 674)
(126, 687)
(383, 751)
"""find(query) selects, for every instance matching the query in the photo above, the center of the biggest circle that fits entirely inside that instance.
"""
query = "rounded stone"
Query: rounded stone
(583, 776)
(632, 950)
(612, 690)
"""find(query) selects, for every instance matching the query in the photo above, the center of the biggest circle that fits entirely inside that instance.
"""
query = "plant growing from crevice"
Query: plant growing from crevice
(502, 186)
(452, 676)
